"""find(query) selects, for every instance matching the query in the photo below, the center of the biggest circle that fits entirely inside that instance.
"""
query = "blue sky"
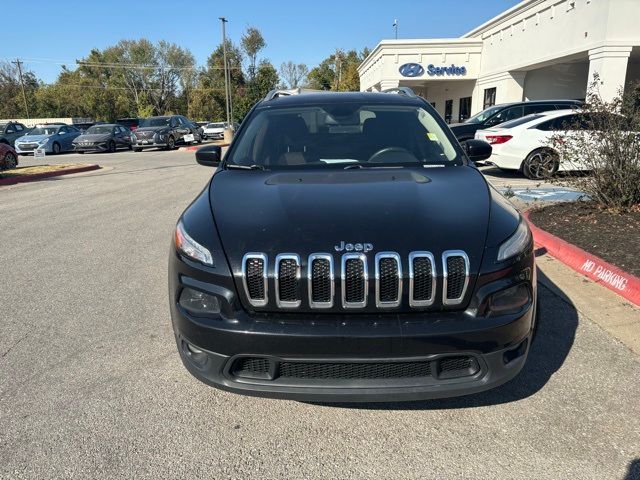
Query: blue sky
(306, 32)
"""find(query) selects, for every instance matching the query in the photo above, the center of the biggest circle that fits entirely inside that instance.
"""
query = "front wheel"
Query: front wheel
(10, 161)
(540, 164)
(137, 149)
(171, 143)
(112, 146)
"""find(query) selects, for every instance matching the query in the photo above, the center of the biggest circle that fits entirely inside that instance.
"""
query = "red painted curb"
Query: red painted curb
(195, 148)
(40, 176)
(587, 264)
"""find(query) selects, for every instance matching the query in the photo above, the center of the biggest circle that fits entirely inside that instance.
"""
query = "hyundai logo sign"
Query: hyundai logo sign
(411, 70)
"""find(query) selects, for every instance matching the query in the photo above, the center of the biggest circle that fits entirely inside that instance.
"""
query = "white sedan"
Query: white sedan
(524, 144)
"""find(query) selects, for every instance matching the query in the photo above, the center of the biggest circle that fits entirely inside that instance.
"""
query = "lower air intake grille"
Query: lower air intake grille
(354, 280)
(452, 367)
(251, 367)
(354, 371)
(320, 280)
(456, 277)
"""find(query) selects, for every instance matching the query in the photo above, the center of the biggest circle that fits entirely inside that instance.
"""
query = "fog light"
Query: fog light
(198, 303)
(509, 300)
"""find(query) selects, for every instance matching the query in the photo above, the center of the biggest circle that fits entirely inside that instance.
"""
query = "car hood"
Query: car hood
(92, 137)
(304, 212)
(32, 138)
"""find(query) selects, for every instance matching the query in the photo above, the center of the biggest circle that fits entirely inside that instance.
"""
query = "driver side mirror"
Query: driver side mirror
(477, 150)
(209, 156)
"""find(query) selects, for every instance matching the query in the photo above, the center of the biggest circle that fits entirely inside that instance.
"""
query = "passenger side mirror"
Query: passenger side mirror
(477, 150)
(209, 156)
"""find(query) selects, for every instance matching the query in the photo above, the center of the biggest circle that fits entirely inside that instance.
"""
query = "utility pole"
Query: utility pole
(395, 26)
(227, 97)
(18, 64)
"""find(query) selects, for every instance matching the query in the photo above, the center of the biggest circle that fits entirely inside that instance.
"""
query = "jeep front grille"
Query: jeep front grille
(321, 280)
(254, 277)
(455, 273)
(287, 280)
(353, 280)
(388, 279)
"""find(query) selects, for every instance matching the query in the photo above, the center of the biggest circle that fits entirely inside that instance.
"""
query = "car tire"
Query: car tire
(55, 148)
(171, 143)
(540, 164)
(137, 149)
(9, 161)
(81, 152)
(112, 146)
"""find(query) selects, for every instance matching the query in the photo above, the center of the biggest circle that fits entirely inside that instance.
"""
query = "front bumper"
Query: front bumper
(31, 149)
(149, 145)
(91, 148)
(314, 347)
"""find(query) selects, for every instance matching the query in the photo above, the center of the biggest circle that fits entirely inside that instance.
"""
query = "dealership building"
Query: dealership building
(537, 50)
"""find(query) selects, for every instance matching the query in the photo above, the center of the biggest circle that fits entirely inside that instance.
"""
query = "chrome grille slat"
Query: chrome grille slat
(254, 278)
(287, 280)
(355, 280)
(422, 279)
(455, 276)
(388, 272)
(320, 280)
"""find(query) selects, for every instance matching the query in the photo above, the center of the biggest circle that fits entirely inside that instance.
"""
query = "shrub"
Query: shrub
(605, 140)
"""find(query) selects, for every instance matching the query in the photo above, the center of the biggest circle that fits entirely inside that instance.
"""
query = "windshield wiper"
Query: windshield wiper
(359, 165)
(246, 167)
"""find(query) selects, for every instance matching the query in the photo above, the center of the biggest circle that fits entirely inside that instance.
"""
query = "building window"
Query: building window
(489, 97)
(448, 110)
(465, 109)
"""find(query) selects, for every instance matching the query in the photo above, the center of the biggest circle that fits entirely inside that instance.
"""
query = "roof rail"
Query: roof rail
(292, 91)
(400, 91)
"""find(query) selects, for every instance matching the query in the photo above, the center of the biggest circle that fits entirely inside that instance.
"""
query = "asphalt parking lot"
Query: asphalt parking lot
(91, 384)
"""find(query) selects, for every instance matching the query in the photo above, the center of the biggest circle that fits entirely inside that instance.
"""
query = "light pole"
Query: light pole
(226, 78)
(395, 25)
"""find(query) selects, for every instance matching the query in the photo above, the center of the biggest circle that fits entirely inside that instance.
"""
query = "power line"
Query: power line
(123, 65)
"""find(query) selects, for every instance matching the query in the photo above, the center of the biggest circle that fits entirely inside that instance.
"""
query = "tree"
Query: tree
(252, 43)
(11, 100)
(294, 75)
(339, 71)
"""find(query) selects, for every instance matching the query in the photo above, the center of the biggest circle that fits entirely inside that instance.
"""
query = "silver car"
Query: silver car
(52, 138)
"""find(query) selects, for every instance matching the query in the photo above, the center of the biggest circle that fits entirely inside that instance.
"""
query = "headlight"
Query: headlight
(189, 247)
(516, 243)
(510, 300)
(198, 303)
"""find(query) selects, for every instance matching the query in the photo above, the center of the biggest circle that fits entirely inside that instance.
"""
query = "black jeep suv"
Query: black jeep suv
(346, 249)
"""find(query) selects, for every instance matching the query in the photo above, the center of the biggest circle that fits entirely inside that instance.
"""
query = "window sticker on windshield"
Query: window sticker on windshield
(432, 136)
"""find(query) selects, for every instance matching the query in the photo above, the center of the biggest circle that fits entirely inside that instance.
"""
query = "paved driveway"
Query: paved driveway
(91, 385)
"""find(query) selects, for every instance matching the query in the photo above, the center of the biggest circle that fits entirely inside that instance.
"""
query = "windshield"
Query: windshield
(215, 125)
(483, 115)
(343, 135)
(44, 130)
(155, 122)
(98, 129)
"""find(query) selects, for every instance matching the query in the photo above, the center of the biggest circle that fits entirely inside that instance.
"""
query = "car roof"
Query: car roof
(538, 102)
(341, 97)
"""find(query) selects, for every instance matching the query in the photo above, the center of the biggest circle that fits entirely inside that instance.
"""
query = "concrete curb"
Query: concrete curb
(41, 176)
(193, 148)
(587, 264)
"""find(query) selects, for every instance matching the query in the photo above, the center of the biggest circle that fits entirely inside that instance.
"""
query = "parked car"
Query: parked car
(11, 131)
(8, 157)
(164, 132)
(131, 123)
(215, 130)
(346, 249)
(103, 138)
(524, 144)
(498, 114)
(53, 138)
